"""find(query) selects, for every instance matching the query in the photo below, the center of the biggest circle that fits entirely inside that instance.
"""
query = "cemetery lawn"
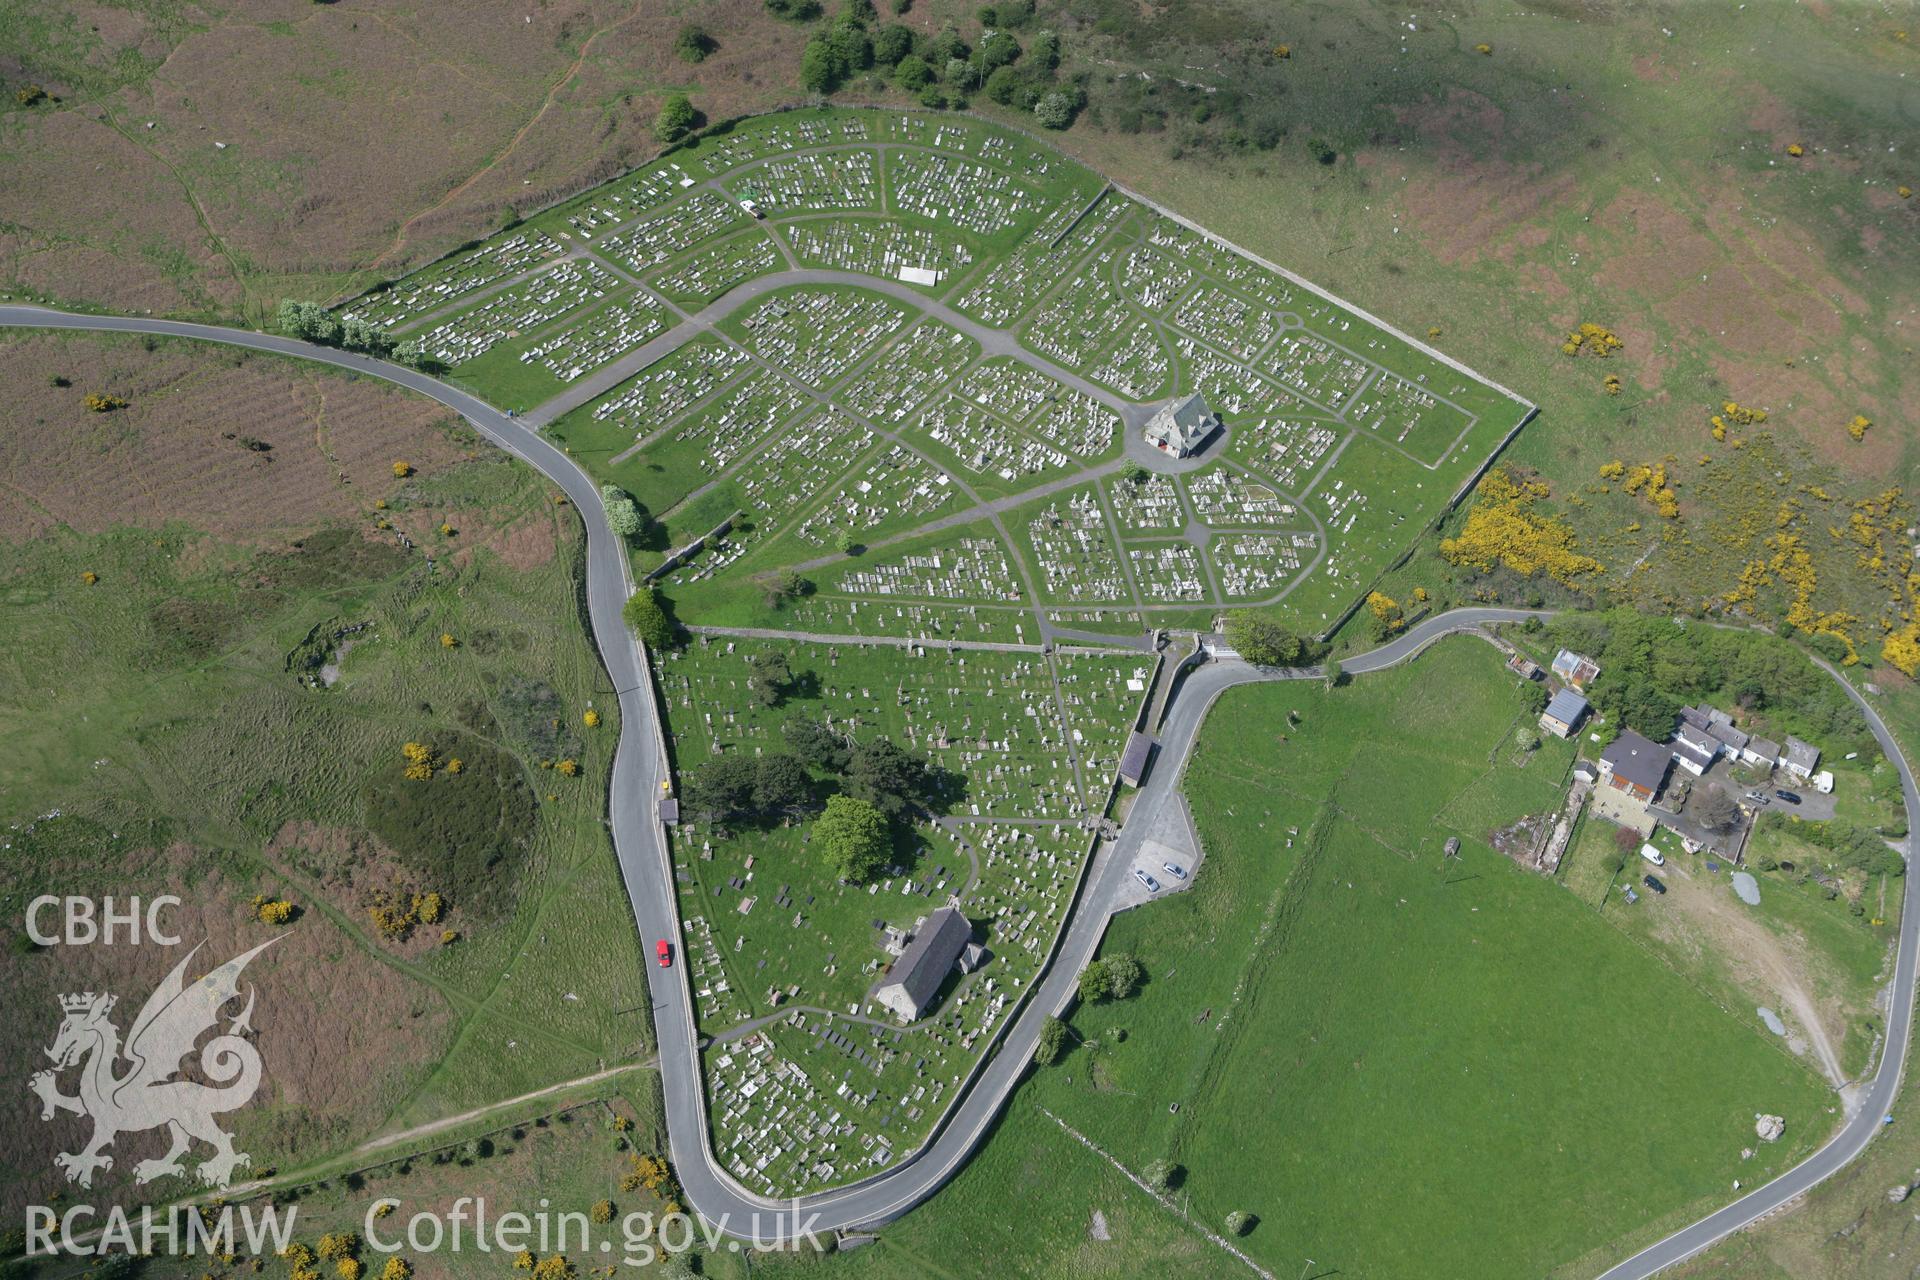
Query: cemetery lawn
(1403, 1068)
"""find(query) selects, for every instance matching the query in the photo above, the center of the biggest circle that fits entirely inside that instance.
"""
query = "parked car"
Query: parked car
(1788, 796)
(1652, 855)
(1653, 883)
(1153, 886)
(664, 950)
(1178, 873)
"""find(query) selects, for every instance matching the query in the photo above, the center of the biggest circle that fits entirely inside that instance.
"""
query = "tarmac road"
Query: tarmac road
(639, 768)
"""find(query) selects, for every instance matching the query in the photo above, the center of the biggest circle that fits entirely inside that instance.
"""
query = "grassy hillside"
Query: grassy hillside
(213, 655)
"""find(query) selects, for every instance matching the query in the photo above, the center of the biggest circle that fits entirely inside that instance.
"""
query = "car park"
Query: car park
(1153, 886)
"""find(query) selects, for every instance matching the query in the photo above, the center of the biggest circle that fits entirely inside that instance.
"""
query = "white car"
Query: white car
(1178, 873)
(1153, 886)
(1652, 855)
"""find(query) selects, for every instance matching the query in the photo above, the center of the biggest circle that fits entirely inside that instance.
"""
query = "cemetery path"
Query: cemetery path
(784, 1012)
(1105, 645)
(993, 342)
(640, 771)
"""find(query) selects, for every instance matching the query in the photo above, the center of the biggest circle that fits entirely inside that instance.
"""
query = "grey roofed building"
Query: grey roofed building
(1563, 713)
(1635, 765)
(1716, 724)
(1182, 426)
(914, 979)
(1799, 758)
(1727, 736)
(1761, 751)
(1694, 749)
(1133, 760)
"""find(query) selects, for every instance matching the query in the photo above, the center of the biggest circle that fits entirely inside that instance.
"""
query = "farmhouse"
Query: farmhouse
(915, 978)
(1576, 669)
(1763, 751)
(1635, 765)
(1563, 713)
(1799, 758)
(1182, 426)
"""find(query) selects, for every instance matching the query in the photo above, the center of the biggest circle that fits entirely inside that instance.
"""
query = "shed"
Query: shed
(1134, 758)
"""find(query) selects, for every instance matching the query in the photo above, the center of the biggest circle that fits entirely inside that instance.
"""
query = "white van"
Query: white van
(1652, 855)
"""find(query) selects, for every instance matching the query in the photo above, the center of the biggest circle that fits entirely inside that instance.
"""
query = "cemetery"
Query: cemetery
(908, 360)
(786, 955)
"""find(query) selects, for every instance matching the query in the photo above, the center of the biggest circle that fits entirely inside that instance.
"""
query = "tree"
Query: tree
(1111, 978)
(812, 741)
(997, 50)
(770, 677)
(1262, 641)
(1333, 673)
(892, 43)
(819, 68)
(723, 786)
(945, 47)
(781, 784)
(1003, 85)
(624, 516)
(1239, 1222)
(693, 44)
(1054, 110)
(1162, 1175)
(887, 776)
(1533, 697)
(1714, 809)
(1132, 472)
(913, 74)
(675, 119)
(1052, 1042)
(1045, 50)
(852, 49)
(648, 619)
(853, 838)
(307, 320)
(794, 10)
(778, 586)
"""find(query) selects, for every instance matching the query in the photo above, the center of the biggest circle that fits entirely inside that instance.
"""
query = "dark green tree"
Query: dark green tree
(675, 119)
(781, 784)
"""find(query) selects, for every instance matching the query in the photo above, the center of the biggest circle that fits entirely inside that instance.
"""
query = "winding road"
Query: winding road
(640, 768)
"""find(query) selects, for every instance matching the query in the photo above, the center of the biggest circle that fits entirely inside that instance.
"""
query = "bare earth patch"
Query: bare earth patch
(180, 449)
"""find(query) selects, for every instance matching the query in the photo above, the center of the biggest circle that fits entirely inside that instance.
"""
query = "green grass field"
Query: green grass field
(1403, 1068)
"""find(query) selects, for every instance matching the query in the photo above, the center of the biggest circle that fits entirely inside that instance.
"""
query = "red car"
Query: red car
(665, 952)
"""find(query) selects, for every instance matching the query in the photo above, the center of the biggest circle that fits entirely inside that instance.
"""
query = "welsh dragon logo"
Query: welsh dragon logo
(131, 1087)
